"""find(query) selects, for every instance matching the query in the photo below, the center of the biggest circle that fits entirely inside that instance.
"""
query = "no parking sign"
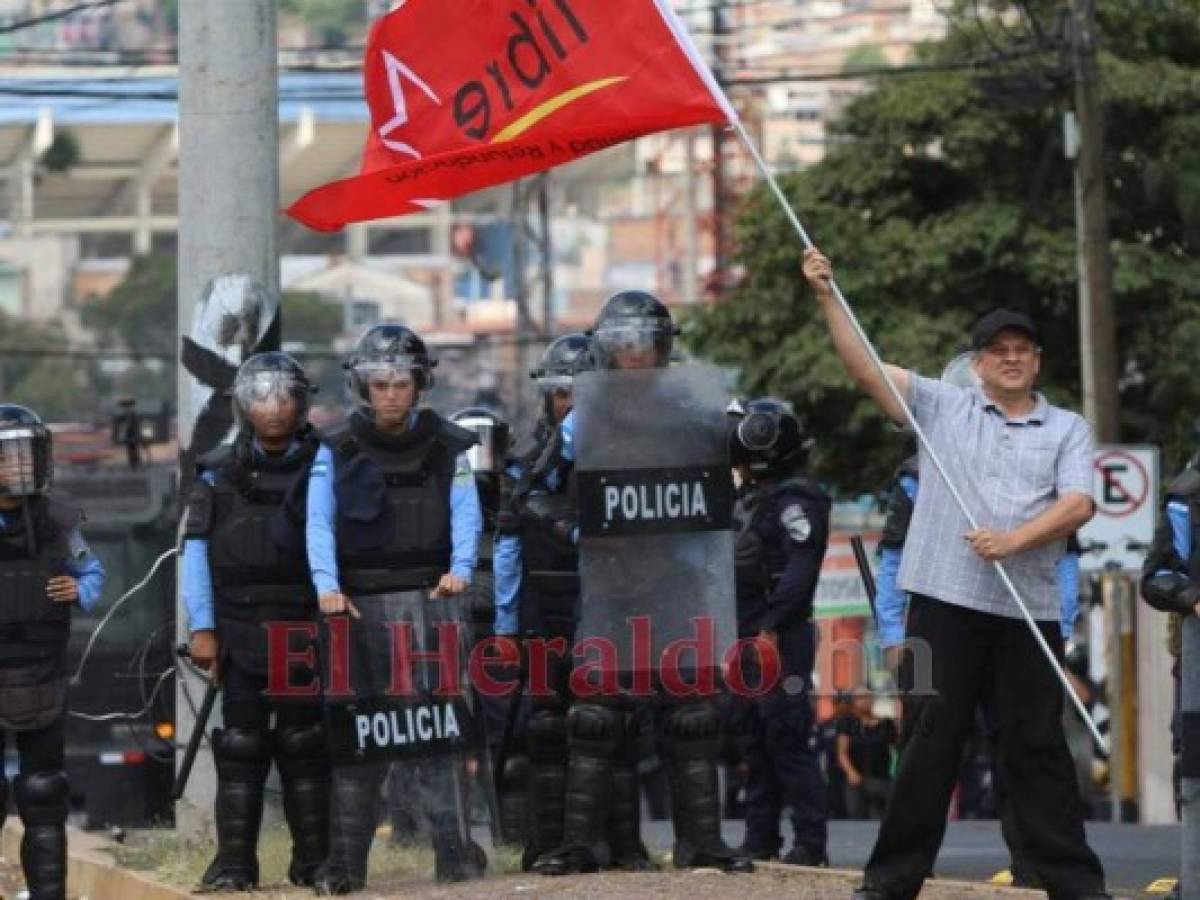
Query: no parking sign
(1125, 488)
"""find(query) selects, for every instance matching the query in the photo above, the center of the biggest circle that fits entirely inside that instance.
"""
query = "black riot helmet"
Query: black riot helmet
(26, 461)
(770, 438)
(565, 358)
(389, 348)
(267, 379)
(486, 457)
(633, 331)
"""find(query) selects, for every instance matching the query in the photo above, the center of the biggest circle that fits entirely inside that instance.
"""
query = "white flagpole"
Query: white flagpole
(718, 93)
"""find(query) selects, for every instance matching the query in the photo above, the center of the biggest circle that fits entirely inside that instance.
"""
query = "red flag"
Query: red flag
(466, 94)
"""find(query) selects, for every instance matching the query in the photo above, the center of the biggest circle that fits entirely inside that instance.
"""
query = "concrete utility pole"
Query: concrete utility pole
(228, 210)
(1097, 328)
(720, 204)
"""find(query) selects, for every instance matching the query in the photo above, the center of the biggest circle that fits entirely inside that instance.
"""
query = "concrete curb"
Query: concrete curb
(91, 872)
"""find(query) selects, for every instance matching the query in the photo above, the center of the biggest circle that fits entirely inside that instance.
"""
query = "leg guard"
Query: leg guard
(547, 740)
(624, 824)
(593, 735)
(693, 733)
(42, 803)
(354, 813)
(242, 758)
(304, 772)
(513, 801)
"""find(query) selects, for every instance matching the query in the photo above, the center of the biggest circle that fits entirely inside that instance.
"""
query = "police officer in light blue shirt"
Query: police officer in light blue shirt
(244, 568)
(46, 568)
(537, 590)
(393, 527)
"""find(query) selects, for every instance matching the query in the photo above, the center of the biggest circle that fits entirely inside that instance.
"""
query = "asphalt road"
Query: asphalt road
(1133, 855)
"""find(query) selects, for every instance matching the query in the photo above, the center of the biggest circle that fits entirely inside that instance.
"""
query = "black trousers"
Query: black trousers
(245, 705)
(974, 654)
(40, 750)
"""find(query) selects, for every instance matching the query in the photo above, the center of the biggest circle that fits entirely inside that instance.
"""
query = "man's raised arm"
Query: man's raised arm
(819, 272)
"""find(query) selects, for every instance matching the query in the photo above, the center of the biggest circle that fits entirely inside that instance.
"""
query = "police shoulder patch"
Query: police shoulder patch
(795, 522)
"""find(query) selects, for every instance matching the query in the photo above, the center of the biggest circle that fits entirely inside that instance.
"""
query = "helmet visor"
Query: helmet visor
(548, 385)
(484, 457)
(633, 343)
(758, 432)
(261, 396)
(18, 463)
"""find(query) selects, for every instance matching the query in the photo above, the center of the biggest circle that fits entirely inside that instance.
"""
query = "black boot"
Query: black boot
(42, 803)
(624, 826)
(513, 801)
(354, 813)
(242, 758)
(593, 734)
(456, 857)
(547, 784)
(304, 773)
(693, 733)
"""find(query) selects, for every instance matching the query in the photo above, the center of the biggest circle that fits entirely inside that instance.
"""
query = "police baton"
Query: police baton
(198, 730)
(864, 570)
(510, 725)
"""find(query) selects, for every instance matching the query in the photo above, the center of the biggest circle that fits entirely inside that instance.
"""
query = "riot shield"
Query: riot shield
(655, 507)
(410, 709)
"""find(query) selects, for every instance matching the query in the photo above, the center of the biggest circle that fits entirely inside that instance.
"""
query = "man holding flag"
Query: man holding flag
(1024, 467)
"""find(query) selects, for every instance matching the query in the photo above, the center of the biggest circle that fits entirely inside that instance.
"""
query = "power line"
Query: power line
(23, 24)
(354, 92)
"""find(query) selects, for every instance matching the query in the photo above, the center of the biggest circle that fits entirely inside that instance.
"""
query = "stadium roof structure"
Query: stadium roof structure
(122, 134)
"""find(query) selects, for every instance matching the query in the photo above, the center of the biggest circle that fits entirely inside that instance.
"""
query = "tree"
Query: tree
(140, 313)
(947, 193)
(331, 20)
(310, 319)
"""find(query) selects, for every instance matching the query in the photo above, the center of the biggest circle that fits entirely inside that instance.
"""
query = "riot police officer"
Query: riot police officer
(486, 459)
(634, 331)
(782, 524)
(244, 567)
(47, 568)
(537, 590)
(393, 528)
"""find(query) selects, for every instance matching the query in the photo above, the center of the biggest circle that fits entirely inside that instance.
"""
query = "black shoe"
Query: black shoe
(723, 858)
(804, 856)
(759, 854)
(634, 859)
(303, 874)
(574, 860)
(869, 893)
(454, 861)
(220, 877)
(334, 881)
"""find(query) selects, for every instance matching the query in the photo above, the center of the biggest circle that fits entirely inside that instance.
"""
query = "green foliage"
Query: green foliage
(331, 20)
(946, 194)
(140, 313)
(310, 319)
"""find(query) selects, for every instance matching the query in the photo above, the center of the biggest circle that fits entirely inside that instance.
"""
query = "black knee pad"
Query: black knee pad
(241, 754)
(302, 750)
(593, 729)
(42, 798)
(694, 730)
(546, 735)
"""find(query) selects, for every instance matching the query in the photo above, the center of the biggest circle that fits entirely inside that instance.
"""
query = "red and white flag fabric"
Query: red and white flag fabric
(467, 94)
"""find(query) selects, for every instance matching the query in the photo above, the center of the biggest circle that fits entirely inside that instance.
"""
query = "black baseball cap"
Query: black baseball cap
(991, 324)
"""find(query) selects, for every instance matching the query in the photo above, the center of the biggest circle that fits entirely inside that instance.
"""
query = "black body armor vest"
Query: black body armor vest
(32, 626)
(393, 498)
(256, 540)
